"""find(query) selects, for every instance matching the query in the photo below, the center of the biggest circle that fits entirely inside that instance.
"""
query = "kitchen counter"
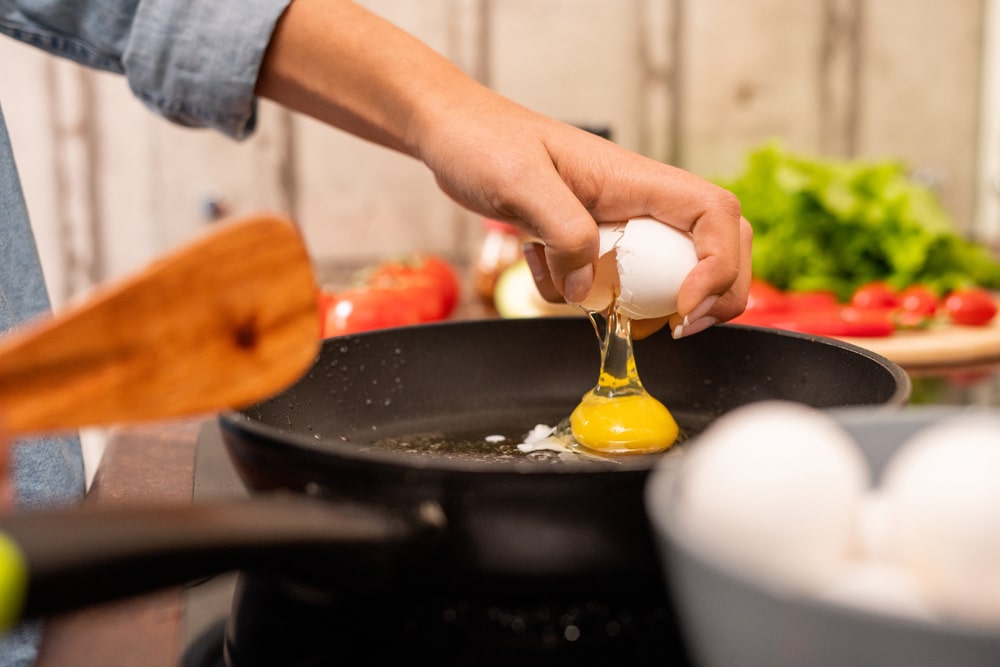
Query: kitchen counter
(149, 464)
(156, 464)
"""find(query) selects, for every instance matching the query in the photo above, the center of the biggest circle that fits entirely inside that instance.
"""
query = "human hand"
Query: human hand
(502, 160)
(558, 181)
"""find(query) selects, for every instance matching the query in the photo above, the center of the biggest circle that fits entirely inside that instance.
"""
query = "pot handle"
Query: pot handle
(53, 561)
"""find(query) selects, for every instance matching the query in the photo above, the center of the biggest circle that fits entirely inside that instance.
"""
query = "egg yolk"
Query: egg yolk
(623, 425)
(618, 416)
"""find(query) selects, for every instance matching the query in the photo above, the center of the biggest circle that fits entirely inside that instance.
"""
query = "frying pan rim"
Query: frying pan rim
(239, 421)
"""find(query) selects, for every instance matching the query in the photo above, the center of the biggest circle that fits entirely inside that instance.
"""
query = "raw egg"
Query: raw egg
(619, 416)
(641, 266)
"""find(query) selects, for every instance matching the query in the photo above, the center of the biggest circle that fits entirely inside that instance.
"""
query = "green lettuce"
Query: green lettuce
(824, 224)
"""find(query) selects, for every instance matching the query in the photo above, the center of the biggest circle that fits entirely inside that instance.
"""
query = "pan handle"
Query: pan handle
(53, 561)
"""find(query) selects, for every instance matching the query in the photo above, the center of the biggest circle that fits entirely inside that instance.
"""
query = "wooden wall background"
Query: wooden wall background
(694, 82)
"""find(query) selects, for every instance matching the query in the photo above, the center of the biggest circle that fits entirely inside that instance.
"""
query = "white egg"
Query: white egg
(943, 493)
(878, 586)
(772, 489)
(644, 262)
(873, 532)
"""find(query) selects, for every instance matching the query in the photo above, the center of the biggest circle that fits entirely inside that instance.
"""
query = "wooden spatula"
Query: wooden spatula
(223, 322)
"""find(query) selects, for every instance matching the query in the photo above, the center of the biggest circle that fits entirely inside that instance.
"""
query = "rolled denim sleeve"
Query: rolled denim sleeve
(195, 62)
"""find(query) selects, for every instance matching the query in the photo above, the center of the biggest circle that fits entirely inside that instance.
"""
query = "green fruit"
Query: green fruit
(13, 582)
(515, 296)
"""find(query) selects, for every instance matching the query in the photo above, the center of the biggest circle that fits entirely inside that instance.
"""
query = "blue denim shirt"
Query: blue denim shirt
(195, 62)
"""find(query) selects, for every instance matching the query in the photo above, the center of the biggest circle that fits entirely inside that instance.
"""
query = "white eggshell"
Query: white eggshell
(943, 491)
(878, 586)
(644, 261)
(773, 489)
(873, 532)
(605, 285)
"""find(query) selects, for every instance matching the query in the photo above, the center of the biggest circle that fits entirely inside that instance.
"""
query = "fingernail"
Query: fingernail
(578, 284)
(687, 329)
(701, 309)
(678, 331)
(535, 263)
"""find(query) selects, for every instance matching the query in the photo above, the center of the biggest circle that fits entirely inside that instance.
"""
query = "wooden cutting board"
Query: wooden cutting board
(940, 345)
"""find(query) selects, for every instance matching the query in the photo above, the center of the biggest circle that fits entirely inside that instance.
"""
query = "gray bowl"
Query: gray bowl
(730, 620)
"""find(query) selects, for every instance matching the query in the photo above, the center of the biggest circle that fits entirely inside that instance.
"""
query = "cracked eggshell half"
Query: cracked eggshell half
(643, 261)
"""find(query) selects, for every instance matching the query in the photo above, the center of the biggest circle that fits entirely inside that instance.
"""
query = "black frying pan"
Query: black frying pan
(515, 518)
(444, 520)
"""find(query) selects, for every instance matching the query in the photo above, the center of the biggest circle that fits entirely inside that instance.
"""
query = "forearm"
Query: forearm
(341, 64)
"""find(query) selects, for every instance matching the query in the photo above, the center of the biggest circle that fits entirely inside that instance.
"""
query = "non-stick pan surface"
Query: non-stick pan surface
(514, 517)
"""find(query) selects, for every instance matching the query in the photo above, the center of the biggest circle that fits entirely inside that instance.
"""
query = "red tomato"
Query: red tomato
(844, 328)
(971, 306)
(834, 323)
(422, 268)
(825, 320)
(918, 299)
(367, 308)
(324, 301)
(755, 318)
(855, 314)
(765, 298)
(446, 277)
(817, 313)
(816, 300)
(876, 294)
(420, 290)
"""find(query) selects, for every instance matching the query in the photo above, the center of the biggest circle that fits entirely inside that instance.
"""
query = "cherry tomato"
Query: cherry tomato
(816, 312)
(856, 314)
(814, 300)
(876, 294)
(972, 306)
(834, 323)
(765, 298)
(367, 308)
(918, 299)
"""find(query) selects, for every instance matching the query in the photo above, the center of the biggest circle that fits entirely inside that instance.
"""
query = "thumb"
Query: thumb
(563, 264)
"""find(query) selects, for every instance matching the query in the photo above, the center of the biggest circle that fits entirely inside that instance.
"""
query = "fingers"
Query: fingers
(559, 182)
(631, 186)
(716, 289)
(534, 255)
(714, 250)
(562, 263)
(716, 308)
